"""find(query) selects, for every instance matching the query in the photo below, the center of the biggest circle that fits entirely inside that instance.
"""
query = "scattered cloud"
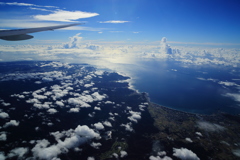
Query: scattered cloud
(3, 136)
(210, 127)
(235, 96)
(184, 153)
(11, 123)
(123, 154)
(4, 115)
(99, 126)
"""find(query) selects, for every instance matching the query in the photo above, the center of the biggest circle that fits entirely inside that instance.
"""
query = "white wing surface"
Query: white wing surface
(21, 34)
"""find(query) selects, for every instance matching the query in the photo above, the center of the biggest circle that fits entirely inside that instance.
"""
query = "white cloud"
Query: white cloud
(11, 123)
(235, 96)
(59, 103)
(19, 152)
(3, 136)
(188, 140)
(236, 152)
(199, 134)
(114, 21)
(74, 110)
(90, 158)
(135, 116)
(184, 153)
(96, 145)
(65, 16)
(43, 149)
(97, 108)
(128, 127)
(210, 127)
(159, 158)
(52, 111)
(99, 126)
(107, 123)
(4, 115)
(2, 156)
(123, 154)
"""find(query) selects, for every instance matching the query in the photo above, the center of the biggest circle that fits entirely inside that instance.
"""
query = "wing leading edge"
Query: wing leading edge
(22, 34)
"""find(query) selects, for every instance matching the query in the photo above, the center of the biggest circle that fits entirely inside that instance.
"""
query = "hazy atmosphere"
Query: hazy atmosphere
(136, 79)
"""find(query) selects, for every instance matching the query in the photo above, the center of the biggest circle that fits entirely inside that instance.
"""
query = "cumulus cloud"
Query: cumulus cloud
(123, 154)
(43, 149)
(128, 127)
(52, 111)
(210, 127)
(188, 140)
(74, 110)
(19, 152)
(11, 123)
(3, 136)
(107, 123)
(59, 103)
(99, 126)
(96, 145)
(2, 156)
(159, 158)
(65, 16)
(135, 116)
(4, 115)
(184, 153)
(97, 108)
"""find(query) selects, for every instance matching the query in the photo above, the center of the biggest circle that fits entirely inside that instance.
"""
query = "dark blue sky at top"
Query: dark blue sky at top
(201, 21)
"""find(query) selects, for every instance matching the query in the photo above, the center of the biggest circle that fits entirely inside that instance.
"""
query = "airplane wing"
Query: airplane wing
(21, 34)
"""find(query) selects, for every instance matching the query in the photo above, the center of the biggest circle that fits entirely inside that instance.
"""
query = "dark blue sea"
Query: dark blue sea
(189, 88)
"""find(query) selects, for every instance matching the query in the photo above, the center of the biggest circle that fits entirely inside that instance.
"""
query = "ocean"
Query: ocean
(189, 88)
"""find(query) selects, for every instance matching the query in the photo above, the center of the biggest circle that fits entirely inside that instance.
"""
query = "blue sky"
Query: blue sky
(192, 21)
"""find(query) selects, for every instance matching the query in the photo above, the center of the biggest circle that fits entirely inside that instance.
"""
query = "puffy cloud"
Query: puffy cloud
(90, 158)
(184, 153)
(59, 103)
(135, 116)
(4, 115)
(75, 42)
(97, 97)
(85, 131)
(95, 145)
(236, 152)
(99, 126)
(3, 136)
(159, 158)
(65, 16)
(43, 149)
(199, 134)
(165, 48)
(97, 108)
(108, 124)
(11, 123)
(188, 140)
(210, 127)
(123, 154)
(128, 127)
(52, 111)
(19, 152)
(74, 110)
(76, 101)
(2, 156)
